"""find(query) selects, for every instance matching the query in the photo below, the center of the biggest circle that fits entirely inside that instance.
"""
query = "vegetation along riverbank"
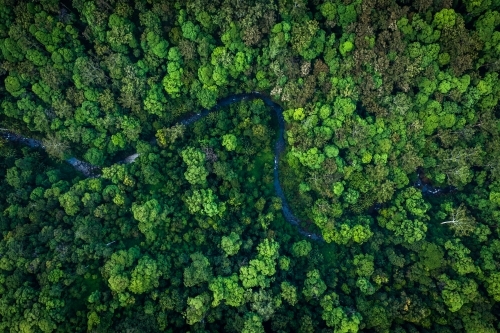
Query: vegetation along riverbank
(249, 166)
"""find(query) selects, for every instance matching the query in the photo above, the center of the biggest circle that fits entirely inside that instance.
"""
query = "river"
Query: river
(279, 147)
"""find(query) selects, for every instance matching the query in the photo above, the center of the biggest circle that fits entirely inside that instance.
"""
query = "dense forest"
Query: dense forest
(392, 130)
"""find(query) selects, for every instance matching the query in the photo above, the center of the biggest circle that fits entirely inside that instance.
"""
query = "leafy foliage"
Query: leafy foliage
(391, 166)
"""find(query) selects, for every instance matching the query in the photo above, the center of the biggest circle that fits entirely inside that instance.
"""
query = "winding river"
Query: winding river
(90, 170)
(279, 148)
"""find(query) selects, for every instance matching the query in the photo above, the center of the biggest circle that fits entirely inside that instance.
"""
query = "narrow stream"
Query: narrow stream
(90, 170)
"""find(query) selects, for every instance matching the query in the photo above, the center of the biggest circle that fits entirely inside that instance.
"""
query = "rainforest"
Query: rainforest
(250, 166)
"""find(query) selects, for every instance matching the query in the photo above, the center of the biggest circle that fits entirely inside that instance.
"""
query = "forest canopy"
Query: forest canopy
(392, 156)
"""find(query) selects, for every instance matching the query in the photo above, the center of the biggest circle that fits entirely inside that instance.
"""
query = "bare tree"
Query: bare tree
(461, 223)
(54, 147)
(167, 136)
(210, 155)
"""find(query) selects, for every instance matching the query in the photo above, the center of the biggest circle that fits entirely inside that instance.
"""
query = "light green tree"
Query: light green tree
(231, 244)
(196, 172)
(13, 86)
(204, 202)
(445, 18)
(313, 285)
(328, 10)
(190, 30)
(462, 263)
(493, 287)
(365, 286)
(229, 141)
(227, 289)
(289, 293)
(148, 216)
(197, 308)
(144, 276)
(301, 248)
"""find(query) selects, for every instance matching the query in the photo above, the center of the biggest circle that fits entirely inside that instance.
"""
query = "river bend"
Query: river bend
(90, 170)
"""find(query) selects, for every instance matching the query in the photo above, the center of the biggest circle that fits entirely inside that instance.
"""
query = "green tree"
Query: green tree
(197, 308)
(196, 172)
(94, 156)
(308, 39)
(364, 265)
(445, 18)
(13, 86)
(301, 248)
(312, 158)
(155, 44)
(462, 263)
(227, 289)
(172, 81)
(115, 269)
(347, 13)
(365, 286)
(231, 244)
(204, 202)
(328, 10)
(190, 30)
(313, 285)
(229, 141)
(148, 215)
(145, 276)
(493, 286)
(264, 266)
(289, 293)
(198, 272)
(70, 201)
(336, 317)
(346, 47)
(121, 34)
(253, 324)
